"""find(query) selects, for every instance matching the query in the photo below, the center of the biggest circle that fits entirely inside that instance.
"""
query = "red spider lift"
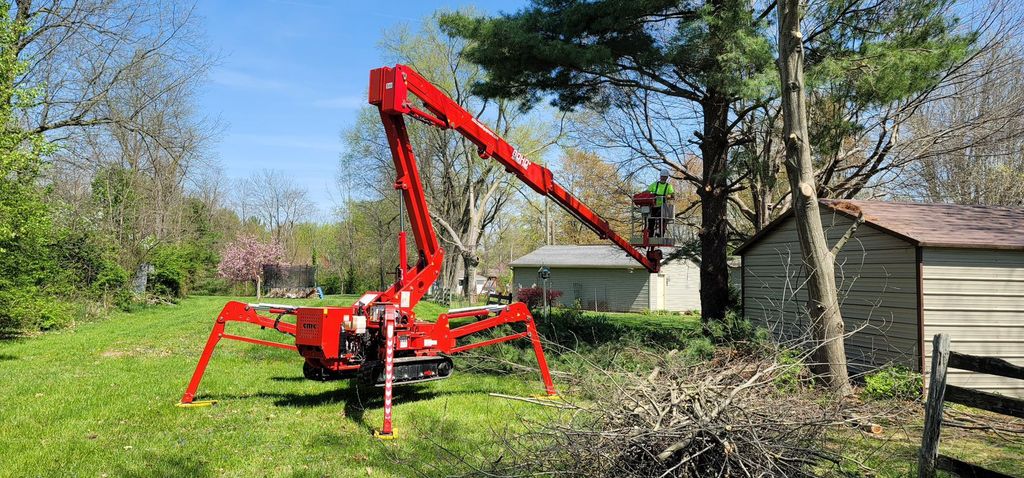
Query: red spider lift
(378, 339)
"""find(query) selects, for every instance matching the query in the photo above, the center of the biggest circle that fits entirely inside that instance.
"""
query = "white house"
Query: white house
(605, 278)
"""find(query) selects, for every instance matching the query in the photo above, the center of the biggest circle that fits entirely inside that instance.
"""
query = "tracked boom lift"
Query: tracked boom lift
(378, 339)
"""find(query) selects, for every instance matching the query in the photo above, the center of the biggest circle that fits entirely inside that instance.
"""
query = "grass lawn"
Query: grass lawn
(98, 400)
(893, 453)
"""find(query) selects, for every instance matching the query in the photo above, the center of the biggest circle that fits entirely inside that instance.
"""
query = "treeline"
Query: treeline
(100, 143)
(109, 196)
(106, 175)
(107, 169)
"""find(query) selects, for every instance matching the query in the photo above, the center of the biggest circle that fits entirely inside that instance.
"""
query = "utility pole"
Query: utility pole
(544, 274)
(549, 235)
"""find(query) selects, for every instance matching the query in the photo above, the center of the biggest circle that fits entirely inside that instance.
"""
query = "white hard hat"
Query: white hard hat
(665, 173)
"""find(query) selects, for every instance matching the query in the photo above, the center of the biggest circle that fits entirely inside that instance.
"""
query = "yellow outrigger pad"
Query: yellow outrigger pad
(392, 436)
(201, 403)
(548, 398)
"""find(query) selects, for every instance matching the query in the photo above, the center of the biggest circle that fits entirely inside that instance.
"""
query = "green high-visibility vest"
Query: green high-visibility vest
(661, 190)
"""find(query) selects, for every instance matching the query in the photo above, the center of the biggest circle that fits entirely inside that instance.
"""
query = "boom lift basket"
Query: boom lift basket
(652, 226)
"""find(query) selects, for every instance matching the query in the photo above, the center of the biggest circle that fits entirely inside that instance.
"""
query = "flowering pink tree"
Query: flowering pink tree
(243, 260)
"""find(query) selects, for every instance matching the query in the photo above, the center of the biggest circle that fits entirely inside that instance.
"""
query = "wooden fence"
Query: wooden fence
(929, 459)
(440, 296)
(499, 299)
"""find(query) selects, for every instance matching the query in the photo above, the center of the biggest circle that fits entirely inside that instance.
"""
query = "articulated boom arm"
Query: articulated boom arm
(378, 340)
(390, 90)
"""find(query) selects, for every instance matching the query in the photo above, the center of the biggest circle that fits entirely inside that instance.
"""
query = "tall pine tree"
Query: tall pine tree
(715, 58)
(710, 55)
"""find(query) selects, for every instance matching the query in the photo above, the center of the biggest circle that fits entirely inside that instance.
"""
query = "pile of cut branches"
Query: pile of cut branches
(725, 417)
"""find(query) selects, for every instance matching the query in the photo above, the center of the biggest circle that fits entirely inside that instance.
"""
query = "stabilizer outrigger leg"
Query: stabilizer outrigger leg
(237, 312)
(386, 431)
(516, 312)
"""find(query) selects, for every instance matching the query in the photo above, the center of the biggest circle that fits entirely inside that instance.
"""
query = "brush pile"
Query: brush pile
(736, 415)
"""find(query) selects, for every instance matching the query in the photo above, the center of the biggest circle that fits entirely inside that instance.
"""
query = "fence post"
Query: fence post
(933, 409)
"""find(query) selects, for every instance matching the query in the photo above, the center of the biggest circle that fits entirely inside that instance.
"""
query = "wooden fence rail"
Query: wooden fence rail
(929, 459)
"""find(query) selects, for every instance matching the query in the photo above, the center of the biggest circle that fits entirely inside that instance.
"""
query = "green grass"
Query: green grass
(99, 400)
(893, 454)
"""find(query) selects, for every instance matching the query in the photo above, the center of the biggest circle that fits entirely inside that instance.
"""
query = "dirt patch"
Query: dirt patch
(136, 352)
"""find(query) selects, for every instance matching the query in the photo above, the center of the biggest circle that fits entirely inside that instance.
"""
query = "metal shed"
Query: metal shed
(604, 278)
(909, 272)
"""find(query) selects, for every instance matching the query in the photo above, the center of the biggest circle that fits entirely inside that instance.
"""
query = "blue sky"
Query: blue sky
(291, 76)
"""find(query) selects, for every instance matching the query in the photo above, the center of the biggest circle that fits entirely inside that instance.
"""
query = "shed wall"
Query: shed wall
(617, 290)
(876, 274)
(977, 297)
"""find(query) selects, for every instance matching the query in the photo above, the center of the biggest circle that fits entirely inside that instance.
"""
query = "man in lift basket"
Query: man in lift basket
(661, 189)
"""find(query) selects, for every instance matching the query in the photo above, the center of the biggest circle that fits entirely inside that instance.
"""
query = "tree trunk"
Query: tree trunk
(761, 198)
(470, 261)
(714, 198)
(819, 263)
(259, 288)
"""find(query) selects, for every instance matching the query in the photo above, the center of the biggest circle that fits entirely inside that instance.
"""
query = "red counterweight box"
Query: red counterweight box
(318, 330)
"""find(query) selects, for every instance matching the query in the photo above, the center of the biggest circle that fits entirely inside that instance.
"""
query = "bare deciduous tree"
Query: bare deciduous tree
(983, 161)
(114, 86)
(819, 261)
(83, 52)
(466, 193)
(277, 202)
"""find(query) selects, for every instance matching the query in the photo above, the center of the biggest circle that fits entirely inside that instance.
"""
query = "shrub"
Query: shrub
(734, 328)
(699, 349)
(177, 267)
(110, 277)
(128, 301)
(28, 308)
(212, 285)
(792, 371)
(893, 383)
(331, 284)
(350, 284)
(170, 268)
(534, 297)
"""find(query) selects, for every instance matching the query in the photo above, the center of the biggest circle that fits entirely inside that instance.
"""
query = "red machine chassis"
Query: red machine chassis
(444, 340)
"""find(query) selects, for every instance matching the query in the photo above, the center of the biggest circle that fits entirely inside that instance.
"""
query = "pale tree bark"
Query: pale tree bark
(819, 262)
(278, 203)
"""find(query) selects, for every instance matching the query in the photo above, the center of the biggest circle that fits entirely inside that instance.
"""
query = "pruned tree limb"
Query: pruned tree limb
(847, 235)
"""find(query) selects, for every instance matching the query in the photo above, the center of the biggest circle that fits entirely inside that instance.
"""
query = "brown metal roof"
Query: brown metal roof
(933, 225)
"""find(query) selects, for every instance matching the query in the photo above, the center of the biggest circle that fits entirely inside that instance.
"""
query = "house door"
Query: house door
(658, 284)
(662, 291)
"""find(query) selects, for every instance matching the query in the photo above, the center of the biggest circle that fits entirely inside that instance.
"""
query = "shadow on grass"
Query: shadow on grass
(289, 379)
(359, 399)
(6, 357)
(11, 335)
(166, 466)
(356, 398)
